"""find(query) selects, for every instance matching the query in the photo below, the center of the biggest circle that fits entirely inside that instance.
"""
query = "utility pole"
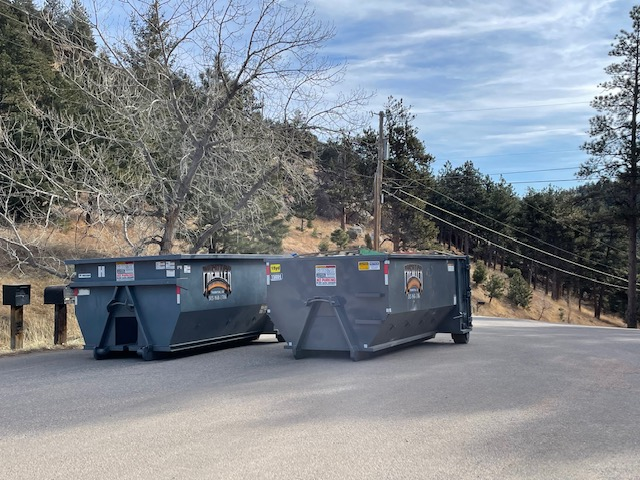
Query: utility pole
(377, 187)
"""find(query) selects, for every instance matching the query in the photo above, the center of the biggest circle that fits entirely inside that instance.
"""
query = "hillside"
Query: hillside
(39, 317)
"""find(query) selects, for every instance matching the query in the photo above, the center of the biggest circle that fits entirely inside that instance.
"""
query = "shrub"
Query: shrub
(323, 246)
(510, 271)
(520, 292)
(480, 273)
(340, 237)
(368, 241)
(494, 287)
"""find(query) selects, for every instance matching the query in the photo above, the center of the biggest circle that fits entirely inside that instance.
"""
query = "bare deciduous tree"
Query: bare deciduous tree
(193, 117)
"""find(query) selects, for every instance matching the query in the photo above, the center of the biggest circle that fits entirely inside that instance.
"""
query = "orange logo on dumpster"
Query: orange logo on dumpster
(413, 280)
(217, 281)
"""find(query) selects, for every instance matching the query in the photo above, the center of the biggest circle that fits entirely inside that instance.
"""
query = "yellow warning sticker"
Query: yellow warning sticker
(274, 268)
(366, 266)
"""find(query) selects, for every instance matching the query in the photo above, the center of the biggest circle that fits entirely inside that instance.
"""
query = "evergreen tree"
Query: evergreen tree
(305, 210)
(519, 292)
(264, 237)
(603, 238)
(545, 215)
(340, 238)
(614, 149)
(344, 182)
(25, 64)
(494, 287)
(480, 273)
(407, 177)
(462, 192)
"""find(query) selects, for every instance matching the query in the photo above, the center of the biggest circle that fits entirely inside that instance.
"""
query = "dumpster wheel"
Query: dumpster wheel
(460, 338)
(147, 353)
(100, 353)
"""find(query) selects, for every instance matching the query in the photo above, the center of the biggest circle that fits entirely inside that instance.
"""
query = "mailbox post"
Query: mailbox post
(59, 296)
(16, 296)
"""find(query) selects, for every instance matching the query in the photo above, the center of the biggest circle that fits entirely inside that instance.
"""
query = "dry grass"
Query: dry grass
(308, 241)
(542, 308)
(38, 318)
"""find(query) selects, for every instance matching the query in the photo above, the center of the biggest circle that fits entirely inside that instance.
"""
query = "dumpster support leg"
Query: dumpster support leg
(343, 321)
(123, 296)
(147, 348)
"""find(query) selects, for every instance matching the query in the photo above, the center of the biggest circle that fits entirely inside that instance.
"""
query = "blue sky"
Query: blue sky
(505, 84)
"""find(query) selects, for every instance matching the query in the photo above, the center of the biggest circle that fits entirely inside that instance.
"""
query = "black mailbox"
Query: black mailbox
(58, 295)
(16, 295)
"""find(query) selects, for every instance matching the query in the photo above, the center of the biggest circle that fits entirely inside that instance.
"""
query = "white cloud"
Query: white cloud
(464, 64)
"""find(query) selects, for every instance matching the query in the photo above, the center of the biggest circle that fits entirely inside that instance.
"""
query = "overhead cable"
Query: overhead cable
(622, 287)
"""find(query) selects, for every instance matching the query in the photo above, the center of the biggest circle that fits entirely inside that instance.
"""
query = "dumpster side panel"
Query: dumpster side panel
(421, 284)
(351, 286)
(461, 321)
(222, 299)
(445, 295)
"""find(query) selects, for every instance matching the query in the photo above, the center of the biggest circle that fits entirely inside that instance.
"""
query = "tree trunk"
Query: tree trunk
(632, 222)
(555, 293)
(597, 308)
(546, 283)
(631, 315)
(170, 229)
(533, 275)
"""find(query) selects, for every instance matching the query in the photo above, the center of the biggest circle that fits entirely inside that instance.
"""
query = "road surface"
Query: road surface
(523, 400)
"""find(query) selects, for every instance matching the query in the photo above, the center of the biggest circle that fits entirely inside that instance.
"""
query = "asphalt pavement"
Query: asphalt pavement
(522, 400)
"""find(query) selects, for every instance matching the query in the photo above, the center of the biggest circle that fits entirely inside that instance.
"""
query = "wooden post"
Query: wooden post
(60, 325)
(17, 328)
(377, 187)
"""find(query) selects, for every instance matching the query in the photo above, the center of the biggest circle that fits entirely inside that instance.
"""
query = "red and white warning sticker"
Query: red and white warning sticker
(326, 276)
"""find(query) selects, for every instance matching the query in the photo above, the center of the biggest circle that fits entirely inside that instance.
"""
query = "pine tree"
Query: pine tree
(614, 148)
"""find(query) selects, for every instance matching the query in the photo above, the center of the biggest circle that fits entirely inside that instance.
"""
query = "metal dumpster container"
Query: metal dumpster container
(368, 303)
(168, 303)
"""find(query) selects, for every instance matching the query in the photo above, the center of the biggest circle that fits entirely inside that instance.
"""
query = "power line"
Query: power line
(509, 226)
(515, 154)
(500, 174)
(621, 287)
(534, 171)
(478, 212)
(513, 228)
(504, 108)
(555, 181)
(512, 238)
(570, 227)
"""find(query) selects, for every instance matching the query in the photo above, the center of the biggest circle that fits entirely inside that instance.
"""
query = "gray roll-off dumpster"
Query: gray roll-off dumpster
(365, 304)
(168, 303)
